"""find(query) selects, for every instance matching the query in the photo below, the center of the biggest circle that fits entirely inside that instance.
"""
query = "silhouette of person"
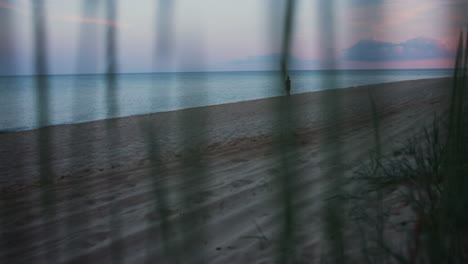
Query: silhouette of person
(288, 85)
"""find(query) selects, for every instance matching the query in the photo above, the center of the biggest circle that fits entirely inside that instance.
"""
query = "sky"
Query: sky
(224, 35)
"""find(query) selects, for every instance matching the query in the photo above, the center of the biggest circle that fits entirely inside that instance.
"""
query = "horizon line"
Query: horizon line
(220, 71)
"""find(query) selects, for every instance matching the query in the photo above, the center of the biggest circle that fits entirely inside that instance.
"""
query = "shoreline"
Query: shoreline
(211, 127)
(19, 130)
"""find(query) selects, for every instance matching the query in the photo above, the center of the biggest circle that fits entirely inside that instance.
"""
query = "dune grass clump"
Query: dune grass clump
(410, 206)
(413, 181)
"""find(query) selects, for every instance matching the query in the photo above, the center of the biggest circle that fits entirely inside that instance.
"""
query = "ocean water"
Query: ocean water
(81, 98)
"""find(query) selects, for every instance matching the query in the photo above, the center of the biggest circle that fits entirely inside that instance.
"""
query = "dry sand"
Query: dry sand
(105, 188)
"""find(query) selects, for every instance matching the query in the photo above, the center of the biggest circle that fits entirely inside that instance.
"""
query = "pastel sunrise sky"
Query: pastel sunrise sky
(237, 34)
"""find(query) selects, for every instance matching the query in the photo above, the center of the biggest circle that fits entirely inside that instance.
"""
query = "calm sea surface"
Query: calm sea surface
(81, 98)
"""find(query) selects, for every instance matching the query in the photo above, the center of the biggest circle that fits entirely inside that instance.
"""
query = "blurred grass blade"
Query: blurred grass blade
(82, 185)
(44, 137)
(333, 172)
(162, 50)
(286, 145)
(112, 128)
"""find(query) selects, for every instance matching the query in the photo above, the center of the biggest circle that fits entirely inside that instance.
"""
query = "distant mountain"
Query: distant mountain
(413, 49)
(266, 63)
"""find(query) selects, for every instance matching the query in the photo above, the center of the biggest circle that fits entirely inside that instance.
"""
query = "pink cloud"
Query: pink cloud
(10, 7)
(69, 18)
(89, 20)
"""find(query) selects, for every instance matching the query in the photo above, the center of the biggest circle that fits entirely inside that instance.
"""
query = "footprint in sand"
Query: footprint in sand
(96, 238)
(239, 160)
(240, 183)
(131, 184)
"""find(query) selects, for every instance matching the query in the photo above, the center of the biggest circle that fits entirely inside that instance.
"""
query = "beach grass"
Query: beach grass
(426, 176)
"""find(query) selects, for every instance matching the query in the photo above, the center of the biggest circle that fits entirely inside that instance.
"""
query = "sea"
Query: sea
(80, 98)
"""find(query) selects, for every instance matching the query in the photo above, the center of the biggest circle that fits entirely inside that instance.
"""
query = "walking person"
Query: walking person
(288, 85)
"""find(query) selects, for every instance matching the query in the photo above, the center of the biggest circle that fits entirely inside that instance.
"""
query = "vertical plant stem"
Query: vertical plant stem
(286, 146)
(112, 129)
(44, 137)
(163, 22)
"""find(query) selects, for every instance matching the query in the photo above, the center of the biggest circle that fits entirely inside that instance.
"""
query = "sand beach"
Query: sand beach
(202, 181)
